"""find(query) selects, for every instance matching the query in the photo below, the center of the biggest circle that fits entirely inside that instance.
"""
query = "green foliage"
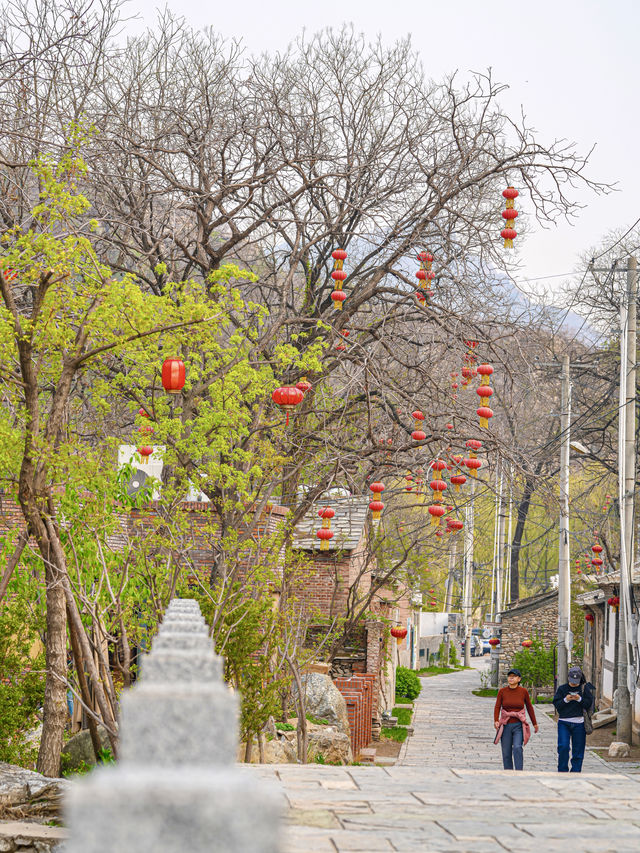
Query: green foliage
(535, 663)
(397, 733)
(486, 692)
(318, 721)
(285, 727)
(453, 655)
(403, 715)
(428, 671)
(21, 681)
(407, 683)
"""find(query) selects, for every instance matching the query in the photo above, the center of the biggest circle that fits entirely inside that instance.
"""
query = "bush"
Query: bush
(407, 683)
(535, 664)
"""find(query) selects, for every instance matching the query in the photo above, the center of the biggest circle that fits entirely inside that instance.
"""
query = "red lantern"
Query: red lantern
(614, 602)
(484, 413)
(473, 444)
(326, 514)
(493, 642)
(509, 215)
(339, 276)
(458, 480)
(425, 274)
(526, 644)
(473, 465)
(588, 617)
(597, 562)
(173, 375)
(456, 524)
(376, 506)
(324, 535)
(304, 385)
(437, 466)
(436, 511)
(399, 634)
(145, 452)
(597, 549)
(438, 487)
(287, 397)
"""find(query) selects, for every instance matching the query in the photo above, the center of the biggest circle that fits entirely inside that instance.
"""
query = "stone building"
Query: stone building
(523, 620)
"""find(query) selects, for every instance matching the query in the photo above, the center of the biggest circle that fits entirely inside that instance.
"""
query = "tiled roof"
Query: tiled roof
(347, 524)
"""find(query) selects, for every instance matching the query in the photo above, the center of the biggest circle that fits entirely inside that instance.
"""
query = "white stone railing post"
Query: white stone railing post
(176, 786)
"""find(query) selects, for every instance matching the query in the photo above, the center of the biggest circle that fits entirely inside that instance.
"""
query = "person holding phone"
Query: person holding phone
(510, 720)
(571, 701)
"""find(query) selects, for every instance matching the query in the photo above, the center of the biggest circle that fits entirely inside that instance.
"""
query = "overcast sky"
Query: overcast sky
(572, 67)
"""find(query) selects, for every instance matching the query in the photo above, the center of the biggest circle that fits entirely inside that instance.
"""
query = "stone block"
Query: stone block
(368, 755)
(183, 626)
(171, 666)
(618, 749)
(166, 810)
(178, 724)
(185, 642)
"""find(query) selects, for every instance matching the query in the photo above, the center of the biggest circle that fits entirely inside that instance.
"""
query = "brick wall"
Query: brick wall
(359, 694)
(525, 619)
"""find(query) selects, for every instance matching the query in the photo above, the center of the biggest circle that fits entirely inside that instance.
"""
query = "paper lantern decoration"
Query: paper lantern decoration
(456, 525)
(399, 634)
(589, 617)
(418, 434)
(509, 215)
(425, 275)
(597, 562)
(287, 397)
(614, 602)
(438, 486)
(526, 644)
(493, 642)
(145, 452)
(484, 391)
(438, 466)
(458, 479)
(173, 375)
(409, 483)
(325, 536)
(473, 463)
(376, 506)
(436, 511)
(304, 385)
(339, 276)
(326, 513)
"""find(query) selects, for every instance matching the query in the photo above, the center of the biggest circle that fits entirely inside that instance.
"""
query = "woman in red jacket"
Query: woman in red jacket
(510, 720)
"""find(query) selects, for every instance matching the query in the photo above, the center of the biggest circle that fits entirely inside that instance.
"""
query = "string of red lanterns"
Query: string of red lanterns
(484, 391)
(509, 233)
(325, 534)
(418, 433)
(339, 276)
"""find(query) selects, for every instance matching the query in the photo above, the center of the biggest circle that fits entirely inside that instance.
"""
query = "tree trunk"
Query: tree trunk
(84, 690)
(516, 544)
(55, 692)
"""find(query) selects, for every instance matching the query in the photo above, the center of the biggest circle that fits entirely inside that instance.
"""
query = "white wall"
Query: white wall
(432, 623)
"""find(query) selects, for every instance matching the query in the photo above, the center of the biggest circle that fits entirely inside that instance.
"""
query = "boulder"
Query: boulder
(334, 746)
(276, 751)
(324, 701)
(77, 752)
(603, 718)
(25, 795)
(618, 749)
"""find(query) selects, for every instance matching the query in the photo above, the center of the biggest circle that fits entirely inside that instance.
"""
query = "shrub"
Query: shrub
(535, 664)
(407, 683)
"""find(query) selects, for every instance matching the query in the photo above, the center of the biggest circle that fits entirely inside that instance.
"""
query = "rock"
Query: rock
(78, 750)
(617, 749)
(602, 718)
(334, 747)
(26, 837)
(324, 700)
(276, 751)
(28, 795)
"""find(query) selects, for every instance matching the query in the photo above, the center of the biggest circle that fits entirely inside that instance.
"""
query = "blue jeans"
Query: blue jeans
(511, 743)
(574, 734)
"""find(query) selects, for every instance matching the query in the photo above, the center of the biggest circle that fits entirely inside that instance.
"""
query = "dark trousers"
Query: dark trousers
(511, 743)
(574, 735)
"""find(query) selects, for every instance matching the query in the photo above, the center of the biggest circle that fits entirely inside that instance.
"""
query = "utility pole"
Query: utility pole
(453, 553)
(627, 479)
(501, 534)
(564, 576)
(467, 602)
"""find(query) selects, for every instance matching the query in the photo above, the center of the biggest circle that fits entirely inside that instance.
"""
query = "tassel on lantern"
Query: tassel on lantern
(508, 233)
(339, 276)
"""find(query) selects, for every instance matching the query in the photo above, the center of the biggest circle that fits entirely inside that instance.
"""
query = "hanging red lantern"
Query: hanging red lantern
(484, 413)
(526, 644)
(173, 375)
(589, 617)
(287, 397)
(304, 385)
(399, 634)
(326, 513)
(145, 452)
(339, 276)
(597, 562)
(484, 391)
(458, 479)
(597, 549)
(438, 466)
(473, 465)
(324, 535)
(493, 642)
(456, 524)
(509, 215)
(614, 602)
(409, 481)
(418, 434)
(376, 506)
(436, 511)
(438, 486)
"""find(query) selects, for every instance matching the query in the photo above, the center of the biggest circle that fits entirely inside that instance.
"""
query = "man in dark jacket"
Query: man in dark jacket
(571, 701)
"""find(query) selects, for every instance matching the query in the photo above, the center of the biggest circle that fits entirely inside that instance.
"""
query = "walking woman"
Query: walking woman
(510, 720)
(572, 701)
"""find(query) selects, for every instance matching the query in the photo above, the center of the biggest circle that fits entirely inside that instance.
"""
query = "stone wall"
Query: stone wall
(523, 621)
(175, 786)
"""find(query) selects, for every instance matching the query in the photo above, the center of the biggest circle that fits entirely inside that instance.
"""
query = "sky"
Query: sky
(572, 67)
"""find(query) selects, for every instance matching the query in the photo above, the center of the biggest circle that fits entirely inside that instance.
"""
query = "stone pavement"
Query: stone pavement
(450, 793)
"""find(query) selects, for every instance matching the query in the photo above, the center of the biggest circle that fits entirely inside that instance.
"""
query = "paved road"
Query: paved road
(450, 793)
